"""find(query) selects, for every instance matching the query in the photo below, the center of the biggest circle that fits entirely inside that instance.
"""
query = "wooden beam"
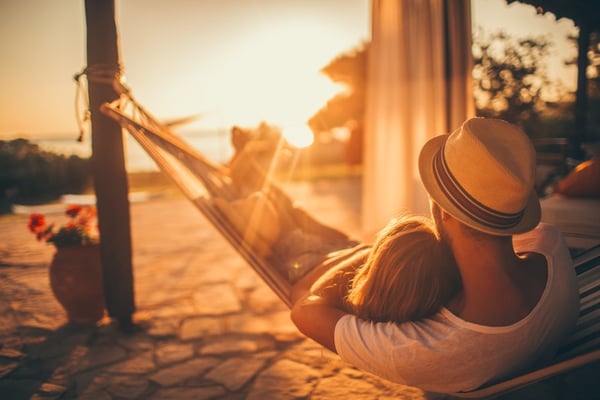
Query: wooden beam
(108, 163)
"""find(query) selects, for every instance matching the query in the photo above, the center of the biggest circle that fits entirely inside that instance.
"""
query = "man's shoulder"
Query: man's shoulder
(543, 236)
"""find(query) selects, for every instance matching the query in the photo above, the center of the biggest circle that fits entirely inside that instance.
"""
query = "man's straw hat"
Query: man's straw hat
(483, 174)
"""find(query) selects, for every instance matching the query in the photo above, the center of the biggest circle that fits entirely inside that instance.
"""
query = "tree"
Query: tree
(350, 70)
(29, 174)
(509, 77)
(586, 16)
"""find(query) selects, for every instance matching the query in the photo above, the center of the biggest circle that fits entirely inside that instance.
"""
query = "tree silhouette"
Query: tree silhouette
(509, 77)
(350, 70)
(586, 16)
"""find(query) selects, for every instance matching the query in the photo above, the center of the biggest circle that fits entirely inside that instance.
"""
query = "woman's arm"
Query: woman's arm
(319, 301)
(316, 319)
(335, 272)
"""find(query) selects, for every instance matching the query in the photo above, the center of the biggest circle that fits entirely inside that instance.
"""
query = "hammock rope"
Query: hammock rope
(154, 136)
(106, 74)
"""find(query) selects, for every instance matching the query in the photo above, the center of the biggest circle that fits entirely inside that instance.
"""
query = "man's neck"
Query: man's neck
(495, 282)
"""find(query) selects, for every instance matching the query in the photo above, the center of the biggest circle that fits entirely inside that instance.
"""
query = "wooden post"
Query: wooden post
(581, 93)
(108, 163)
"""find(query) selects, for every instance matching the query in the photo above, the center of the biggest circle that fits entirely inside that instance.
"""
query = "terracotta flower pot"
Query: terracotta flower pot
(76, 281)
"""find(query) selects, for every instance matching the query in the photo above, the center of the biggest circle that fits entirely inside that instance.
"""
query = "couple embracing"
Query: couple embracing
(479, 292)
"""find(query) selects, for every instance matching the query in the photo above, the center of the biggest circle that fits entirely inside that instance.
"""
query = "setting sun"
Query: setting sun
(299, 136)
(272, 74)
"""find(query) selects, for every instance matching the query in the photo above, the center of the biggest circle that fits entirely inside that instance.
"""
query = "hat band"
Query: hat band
(466, 203)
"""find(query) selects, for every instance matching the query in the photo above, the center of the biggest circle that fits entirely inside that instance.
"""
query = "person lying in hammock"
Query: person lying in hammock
(266, 218)
(285, 235)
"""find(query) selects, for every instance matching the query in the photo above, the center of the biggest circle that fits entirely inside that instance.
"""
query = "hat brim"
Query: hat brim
(531, 213)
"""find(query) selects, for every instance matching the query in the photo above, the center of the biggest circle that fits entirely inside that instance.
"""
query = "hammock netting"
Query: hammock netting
(243, 203)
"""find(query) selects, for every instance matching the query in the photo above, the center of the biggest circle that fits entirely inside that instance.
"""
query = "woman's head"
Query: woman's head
(410, 273)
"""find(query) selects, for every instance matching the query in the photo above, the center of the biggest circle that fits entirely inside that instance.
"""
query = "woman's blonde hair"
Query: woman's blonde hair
(409, 274)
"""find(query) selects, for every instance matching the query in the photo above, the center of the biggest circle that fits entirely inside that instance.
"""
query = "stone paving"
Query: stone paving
(209, 326)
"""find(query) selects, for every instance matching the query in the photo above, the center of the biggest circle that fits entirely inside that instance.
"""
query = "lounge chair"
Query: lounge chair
(201, 181)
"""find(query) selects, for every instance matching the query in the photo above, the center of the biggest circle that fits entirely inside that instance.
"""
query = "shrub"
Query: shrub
(30, 175)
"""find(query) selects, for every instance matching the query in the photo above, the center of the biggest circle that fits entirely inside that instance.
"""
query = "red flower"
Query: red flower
(80, 230)
(36, 222)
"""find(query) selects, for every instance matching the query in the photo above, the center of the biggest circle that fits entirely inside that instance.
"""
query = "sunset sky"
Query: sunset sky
(233, 61)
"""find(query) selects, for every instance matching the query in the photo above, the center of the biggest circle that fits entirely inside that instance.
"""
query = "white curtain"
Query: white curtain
(418, 86)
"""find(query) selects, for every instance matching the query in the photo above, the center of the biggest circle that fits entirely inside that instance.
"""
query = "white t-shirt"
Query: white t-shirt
(446, 354)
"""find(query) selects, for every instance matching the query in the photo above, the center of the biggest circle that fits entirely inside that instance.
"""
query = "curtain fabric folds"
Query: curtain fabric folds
(418, 86)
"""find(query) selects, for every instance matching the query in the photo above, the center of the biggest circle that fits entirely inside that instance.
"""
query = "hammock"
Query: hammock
(205, 183)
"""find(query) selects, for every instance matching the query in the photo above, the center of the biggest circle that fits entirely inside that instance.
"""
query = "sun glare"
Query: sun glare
(299, 136)
(273, 75)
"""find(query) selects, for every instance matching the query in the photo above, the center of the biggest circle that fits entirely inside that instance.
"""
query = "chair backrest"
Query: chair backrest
(587, 332)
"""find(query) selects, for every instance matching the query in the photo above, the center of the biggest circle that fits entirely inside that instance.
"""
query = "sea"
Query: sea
(214, 145)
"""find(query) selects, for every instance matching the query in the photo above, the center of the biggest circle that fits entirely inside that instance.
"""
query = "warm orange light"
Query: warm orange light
(299, 136)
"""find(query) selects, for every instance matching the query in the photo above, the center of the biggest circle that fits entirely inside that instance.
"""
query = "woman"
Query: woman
(407, 274)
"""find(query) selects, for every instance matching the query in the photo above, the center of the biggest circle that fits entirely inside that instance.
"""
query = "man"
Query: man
(519, 297)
